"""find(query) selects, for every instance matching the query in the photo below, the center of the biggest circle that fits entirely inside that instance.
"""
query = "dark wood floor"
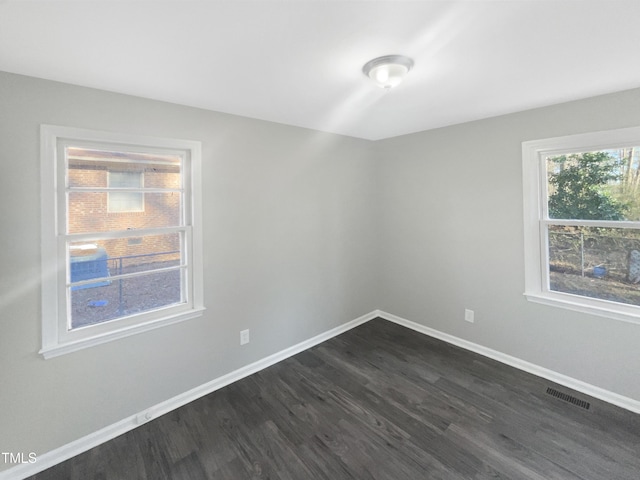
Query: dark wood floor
(378, 402)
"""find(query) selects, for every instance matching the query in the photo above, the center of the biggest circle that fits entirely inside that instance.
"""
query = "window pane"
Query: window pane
(600, 185)
(601, 263)
(124, 297)
(125, 179)
(125, 201)
(121, 202)
(88, 261)
(91, 168)
(106, 258)
(88, 212)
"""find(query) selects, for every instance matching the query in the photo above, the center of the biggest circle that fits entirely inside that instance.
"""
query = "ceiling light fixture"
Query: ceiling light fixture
(388, 71)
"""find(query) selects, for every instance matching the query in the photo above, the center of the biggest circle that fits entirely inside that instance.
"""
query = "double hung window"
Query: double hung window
(121, 247)
(582, 222)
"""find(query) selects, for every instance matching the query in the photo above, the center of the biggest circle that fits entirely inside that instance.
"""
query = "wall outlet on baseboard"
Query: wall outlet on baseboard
(244, 337)
(469, 315)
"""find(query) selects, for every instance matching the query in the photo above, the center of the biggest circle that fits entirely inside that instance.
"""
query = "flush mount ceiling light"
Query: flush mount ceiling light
(388, 71)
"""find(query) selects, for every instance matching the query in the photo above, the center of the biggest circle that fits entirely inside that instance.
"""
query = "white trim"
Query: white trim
(69, 347)
(536, 248)
(621, 312)
(48, 224)
(76, 447)
(559, 378)
(591, 141)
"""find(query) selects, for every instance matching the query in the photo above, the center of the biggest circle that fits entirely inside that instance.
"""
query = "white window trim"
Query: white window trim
(535, 242)
(53, 257)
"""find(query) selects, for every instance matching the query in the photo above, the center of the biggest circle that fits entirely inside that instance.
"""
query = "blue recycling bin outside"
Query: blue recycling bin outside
(86, 267)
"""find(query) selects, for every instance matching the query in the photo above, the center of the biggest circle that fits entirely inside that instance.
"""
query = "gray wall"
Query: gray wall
(287, 226)
(450, 201)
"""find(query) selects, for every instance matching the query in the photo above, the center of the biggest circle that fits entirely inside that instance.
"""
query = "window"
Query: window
(582, 222)
(121, 246)
(125, 201)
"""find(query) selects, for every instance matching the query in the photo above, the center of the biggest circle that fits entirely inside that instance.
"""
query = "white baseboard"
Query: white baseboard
(53, 457)
(578, 385)
(87, 442)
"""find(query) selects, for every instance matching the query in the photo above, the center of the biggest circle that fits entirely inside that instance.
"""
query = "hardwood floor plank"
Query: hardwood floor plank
(379, 402)
(188, 468)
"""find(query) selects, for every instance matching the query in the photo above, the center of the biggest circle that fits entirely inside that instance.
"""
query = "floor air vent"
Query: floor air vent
(568, 398)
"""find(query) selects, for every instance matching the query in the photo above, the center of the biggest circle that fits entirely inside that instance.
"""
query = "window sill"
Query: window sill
(601, 308)
(52, 351)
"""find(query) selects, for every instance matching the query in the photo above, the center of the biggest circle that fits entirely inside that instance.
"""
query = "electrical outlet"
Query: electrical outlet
(469, 315)
(244, 337)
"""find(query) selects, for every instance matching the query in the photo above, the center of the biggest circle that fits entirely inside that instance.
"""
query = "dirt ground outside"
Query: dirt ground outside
(125, 297)
(611, 289)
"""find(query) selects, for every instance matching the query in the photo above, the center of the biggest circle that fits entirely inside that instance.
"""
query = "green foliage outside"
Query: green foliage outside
(581, 187)
(602, 185)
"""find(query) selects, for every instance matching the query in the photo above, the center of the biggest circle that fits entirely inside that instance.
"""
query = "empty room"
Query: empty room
(316, 239)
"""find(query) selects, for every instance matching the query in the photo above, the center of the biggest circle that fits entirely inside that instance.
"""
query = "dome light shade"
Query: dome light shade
(388, 71)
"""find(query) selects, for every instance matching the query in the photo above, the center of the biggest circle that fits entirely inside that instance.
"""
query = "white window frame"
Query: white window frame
(536, 220)
(57, 338)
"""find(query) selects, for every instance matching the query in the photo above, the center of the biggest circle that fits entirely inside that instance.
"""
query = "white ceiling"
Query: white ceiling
(299, 62)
